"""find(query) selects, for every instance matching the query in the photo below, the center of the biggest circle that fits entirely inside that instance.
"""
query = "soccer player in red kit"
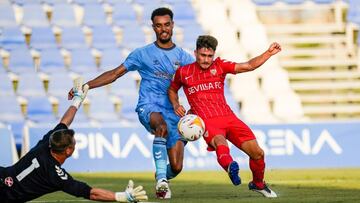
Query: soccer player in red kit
(203, 83)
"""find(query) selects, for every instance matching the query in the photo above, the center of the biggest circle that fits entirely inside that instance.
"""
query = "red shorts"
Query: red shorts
(232, 128)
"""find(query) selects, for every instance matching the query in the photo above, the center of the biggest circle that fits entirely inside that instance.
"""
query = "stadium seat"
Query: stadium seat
(7, 16)
(191, 32)
(111, 58)
(184, 13)
(84, 2)
(124, 86)
(11, 37)
(39, 109)
(323, 1)
(94, 14)
(63, 15)
(294, 1)
(123, 14)
(42, 38)
(51, 60)
(264, 2)
(102, 109)
(288, 108)
(251, 32)
(128, 106)
(8, 153)
(34, 16)
(72, 38)
(10, 110)
(147, 9)
(82, 61)
(21, 61)
(30, 85)
(255, 108)
(244, 85)
(6, 86)
(103, 37)
(59, 84)
(133, 37)
(242, 15)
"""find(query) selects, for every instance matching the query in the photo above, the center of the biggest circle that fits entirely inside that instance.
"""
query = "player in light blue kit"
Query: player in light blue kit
(156, 64)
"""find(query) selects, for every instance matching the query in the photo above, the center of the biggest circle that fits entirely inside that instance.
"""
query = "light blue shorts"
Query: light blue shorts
(170, 118)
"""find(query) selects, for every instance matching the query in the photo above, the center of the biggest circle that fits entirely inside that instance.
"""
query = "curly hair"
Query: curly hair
(206, 41)
(162, 12)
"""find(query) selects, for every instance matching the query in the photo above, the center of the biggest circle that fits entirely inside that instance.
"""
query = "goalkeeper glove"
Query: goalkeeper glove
(131, 194)
(80, 92)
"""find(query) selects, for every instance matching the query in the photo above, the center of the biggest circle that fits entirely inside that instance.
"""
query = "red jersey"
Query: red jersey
(204, 89)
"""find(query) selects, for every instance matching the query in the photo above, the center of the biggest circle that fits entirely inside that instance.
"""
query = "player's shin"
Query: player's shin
(257, 168)
(160, 157)
(223, 156)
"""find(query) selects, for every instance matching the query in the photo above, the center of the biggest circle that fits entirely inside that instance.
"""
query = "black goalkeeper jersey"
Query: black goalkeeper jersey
(38, 173)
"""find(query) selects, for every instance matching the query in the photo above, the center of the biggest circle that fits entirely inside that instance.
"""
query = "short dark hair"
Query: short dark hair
(206, 41)
(61, 139)
(162, 11)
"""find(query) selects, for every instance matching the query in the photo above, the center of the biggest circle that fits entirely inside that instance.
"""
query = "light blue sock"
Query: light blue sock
(160, 157)
(170, 173)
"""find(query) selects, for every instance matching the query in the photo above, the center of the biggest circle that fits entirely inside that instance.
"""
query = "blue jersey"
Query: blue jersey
(156, 67)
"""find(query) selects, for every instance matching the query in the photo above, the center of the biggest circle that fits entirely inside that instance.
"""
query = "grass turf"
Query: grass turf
(317, 185)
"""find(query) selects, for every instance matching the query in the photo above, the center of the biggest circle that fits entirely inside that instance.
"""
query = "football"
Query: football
(191, 127)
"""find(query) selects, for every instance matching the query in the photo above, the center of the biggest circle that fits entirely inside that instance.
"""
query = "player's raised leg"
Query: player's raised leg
(224, 158)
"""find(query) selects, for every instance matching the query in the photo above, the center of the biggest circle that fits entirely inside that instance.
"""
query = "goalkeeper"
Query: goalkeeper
(39, 172)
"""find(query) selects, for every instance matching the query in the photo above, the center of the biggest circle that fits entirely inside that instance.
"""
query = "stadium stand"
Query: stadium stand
(8, 154)
(7, 16)
(63, 15)
(11, 37)
(34, 15)
(72, 38)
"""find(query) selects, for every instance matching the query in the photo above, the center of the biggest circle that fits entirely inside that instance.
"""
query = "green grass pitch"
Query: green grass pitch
(315, 185)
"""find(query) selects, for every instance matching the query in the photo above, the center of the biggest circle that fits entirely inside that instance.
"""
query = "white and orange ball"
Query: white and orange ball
(191, 127)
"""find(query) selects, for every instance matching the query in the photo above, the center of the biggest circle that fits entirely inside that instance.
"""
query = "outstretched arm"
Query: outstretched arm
(131, 194)
(256, 62)
(103, 79)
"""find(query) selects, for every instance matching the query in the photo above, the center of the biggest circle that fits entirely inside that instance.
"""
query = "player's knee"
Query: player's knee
(258, 154)
(177, 168)
(161, 130)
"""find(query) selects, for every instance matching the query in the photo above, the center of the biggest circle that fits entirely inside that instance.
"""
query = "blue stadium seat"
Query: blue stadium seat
(324, 1)
(8, 154)
(124, 86)
(21, 61)
(353, 14)
(59, 84)
(42, 38)
(34, 16)
(123, 14)
(63, 15)
(294, 1)
(111, 58)
(64, 104)
(184, 13)
(6, 87)
(191, 33)
(11, 37)
(102, 109)
(82, 61)
(103, 37)
(94, 14)
(7, 16)
(133, 37)
(10, 110)
(72, 38)
(128, 106)
(39, 109)
(148, 8)
(264, 2)
(84, 2)
(30, 85)
(23, 2)
(51, 61)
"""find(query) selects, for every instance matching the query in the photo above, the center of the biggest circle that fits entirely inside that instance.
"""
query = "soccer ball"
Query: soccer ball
(191, 127)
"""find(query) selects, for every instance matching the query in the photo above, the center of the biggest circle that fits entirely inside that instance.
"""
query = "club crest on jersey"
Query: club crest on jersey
(176, 65)
(213, 71)
(8, 181)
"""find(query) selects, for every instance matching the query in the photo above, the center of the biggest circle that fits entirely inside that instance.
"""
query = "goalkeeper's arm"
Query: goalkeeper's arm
(129, 195)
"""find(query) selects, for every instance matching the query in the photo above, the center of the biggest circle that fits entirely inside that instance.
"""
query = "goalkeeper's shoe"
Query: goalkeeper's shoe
(162, 189)
(265, 191)
(233, 171)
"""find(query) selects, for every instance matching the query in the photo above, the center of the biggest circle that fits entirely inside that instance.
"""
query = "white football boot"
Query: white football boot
(162, 189)
(266, 191)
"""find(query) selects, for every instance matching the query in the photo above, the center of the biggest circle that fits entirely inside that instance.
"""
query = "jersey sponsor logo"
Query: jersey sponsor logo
(61, 173)
(8, 181)
(213, 71)
(164, 75)
(204, 87)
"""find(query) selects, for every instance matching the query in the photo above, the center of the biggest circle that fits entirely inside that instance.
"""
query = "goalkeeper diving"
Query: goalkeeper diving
(39, 172)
